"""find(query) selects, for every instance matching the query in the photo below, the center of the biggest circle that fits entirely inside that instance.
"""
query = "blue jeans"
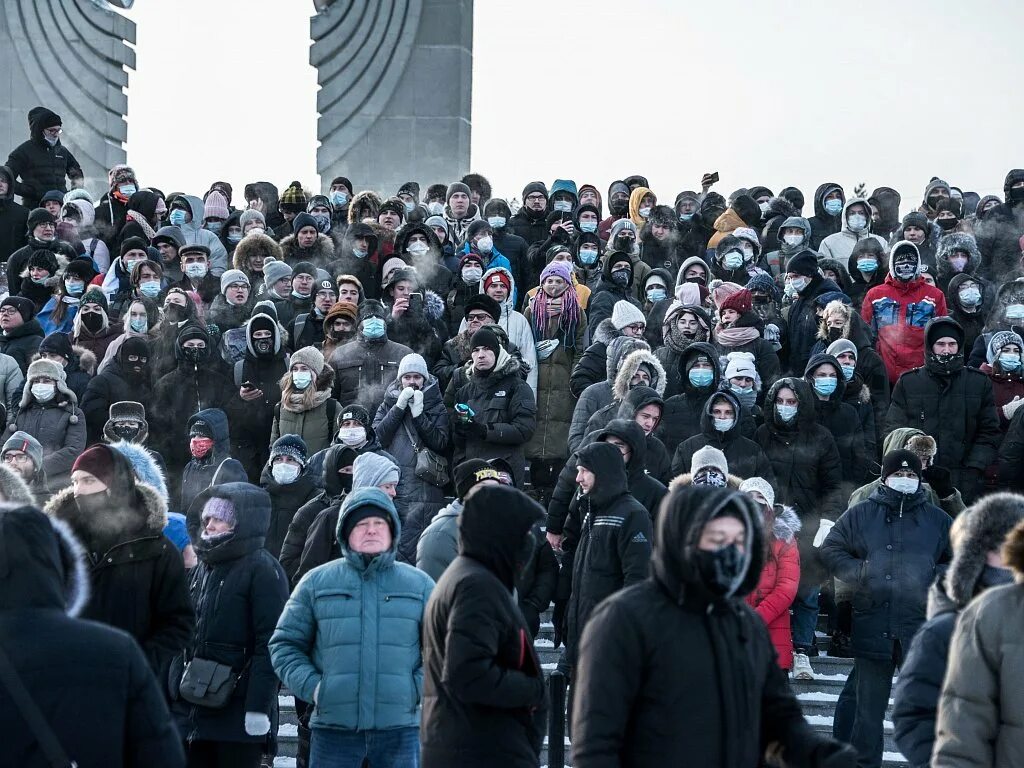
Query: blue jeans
(394, 748)
(860, 711)
(805, 618)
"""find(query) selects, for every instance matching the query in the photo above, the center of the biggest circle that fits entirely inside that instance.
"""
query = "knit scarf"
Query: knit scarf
(677, 342)
(139, 219)
(734, 337)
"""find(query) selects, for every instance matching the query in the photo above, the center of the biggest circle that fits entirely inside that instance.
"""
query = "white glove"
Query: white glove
(417, 403)
(257, 724)
(404, 397)
(316, 692)
(546, 348)
(823, 528)
(1011, 407)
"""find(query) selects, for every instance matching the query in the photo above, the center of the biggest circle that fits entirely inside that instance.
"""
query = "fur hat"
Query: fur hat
(126, 410)
(46, 368)
(311, 357)
(625, 313)
(760, 485)
(372, 308)
(987, 524)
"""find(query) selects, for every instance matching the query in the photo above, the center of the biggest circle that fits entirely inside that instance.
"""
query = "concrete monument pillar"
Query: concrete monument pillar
(68, 56)
(395, 89)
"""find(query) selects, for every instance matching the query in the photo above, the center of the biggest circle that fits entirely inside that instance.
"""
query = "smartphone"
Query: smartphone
(415, 300)
(714, 177)
(248, 385)
(464, 410)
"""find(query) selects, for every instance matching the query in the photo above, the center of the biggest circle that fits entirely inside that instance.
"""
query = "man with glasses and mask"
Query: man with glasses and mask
(42, 163)
(530, 221)
(479, 311)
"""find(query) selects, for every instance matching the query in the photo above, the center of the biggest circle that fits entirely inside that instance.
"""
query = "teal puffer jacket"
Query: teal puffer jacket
(354, 629)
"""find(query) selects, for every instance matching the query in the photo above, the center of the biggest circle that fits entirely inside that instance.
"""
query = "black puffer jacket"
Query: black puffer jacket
(285, 501)
(13, 219)
(238, 590)
(42, 167)
(842, 420)
(111, 386)
(592, 367)
(684, 412)
(745, 457)
(22, 343)
(808, 472)
(957, 408)
(824, 224)
(999, 232)
(607, 293)
(622, 388)
(348, 263)
(670, 674)
(612, 539)
(483, 688)
(43, 583)
(802, 325)
(364, 368)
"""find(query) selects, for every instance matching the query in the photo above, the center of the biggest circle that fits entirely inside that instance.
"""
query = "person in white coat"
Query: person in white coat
(856, 227)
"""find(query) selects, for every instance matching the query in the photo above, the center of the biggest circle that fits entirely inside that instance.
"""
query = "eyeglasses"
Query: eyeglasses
(477, 316)
(535, 197)
(54, 131)
(636, 327)
(8, 311)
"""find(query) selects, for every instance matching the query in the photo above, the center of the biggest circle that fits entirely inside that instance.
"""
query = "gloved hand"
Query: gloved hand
(772, 335)
(940, 479)
(417, 403)
(404, 397)
(470, 428)
(545, 348)
(1011, 407)
(834, 754)
(257, 724)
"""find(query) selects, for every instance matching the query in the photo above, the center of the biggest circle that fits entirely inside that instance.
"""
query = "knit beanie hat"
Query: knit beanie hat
(483, 303)
(471, 472)
(57, 344)
(763, 283)
(98, 461)
(311, 357)
(290, 445)
(250, 215)
(625, 313)
(303, 220)
(39, 216)
(43, 259)
(740, 364)
(620, 226)
(838, 347)
(93, 296)
(81, 268)
(557, 269)
(412, 363)
(137, 244)
(216, 206)
(723, 292)
(371, 470)
(303, 268)
(499, 276)
(293, 199)
(232, 276)
(356, 412)
(804, 263)
(455, 186)
(740, 301)
(372, 308)
(709, 457)
(436, 221)
(899, 459)
(218, 508)
(274, 270)
(341, 310)
(24, 442)
(760, 485)
(486, 338)
(999, 340)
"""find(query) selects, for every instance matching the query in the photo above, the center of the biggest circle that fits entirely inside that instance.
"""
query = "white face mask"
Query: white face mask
(472, 275)
(857, 222)
(418, 248)
(793, 239)
(352, 436)
(43, 393)
(905, 485)
(485, 244)
(285, 473)
(562, 205)
(645, 211)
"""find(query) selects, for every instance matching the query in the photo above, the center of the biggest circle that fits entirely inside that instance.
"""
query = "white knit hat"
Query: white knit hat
(760, 485)
(412, 363)
(709, 457)
(624, 313)
(740, 364)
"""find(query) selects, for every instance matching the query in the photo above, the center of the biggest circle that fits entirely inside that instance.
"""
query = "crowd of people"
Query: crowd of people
(351, 446)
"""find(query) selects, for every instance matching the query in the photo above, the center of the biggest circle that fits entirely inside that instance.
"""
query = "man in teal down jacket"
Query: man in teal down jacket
(349, 641)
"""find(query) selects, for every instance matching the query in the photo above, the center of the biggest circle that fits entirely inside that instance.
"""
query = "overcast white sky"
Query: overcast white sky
(797, 92)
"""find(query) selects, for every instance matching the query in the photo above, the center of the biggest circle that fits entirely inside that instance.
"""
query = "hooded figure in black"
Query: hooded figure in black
(42, 164)
(684, 412)
(842, 420)
(356, 258)
(136, 574)
(616, 284)
(238, 590)
(122, 379)
(43, 589)
(952, 403)
(610, 534)
(886, 201)
(13, 218)
(824, 222)
(677, 669)
(999, 231)
(803, 320)
(745, 457)
(198, 475)
(483, 688)
(867, 267)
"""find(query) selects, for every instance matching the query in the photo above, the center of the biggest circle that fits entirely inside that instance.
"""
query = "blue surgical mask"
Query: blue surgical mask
(215, 226)
(724, 425)
(127, 189)
(825, 385)
(588, 226)
(848, 371)
(40, 280)
(177, 217)
(74, 287)
(359, 253)
(656, 294)
(1015, 311)
(588, 256)
(833, 207)
(786, 412)
(150, 288)
(1009, 361)
(701, 377)
(496, 222)
(409, 207)
(302, 379)
(746, 395)
(373, 327)
(196, 270)
(139, 324)
(562, 205)
(339, 199)
(235, 237)
(867, 265)
(685, 216)
(733, 260)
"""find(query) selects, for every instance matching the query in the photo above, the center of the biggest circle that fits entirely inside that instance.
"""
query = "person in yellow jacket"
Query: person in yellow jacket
(641, 202)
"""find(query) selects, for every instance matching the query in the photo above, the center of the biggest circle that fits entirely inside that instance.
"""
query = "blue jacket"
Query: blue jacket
(888, 547)
(49, 326)
(354, 629)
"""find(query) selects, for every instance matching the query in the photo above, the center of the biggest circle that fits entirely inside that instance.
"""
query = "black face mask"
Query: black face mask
(934, 201)
(624, 244)
(620, 277)
(174, 313)
(1016, 195)
(133, 371)
(93, 322)
(835, 334)
(94, 503)
(619, 207)
(194, 354)
(263, 346)
(759, 298)
(946, 224)
(720, 568)
(127, 432)
(345, 481)
(946, 364)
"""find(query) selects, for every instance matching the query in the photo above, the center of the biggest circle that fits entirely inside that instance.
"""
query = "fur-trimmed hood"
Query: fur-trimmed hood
(1010, 292)
(364, 205)
(618, 350)
(320, 253)
(957, 241)
(145, 466)
(606, 332)
(628, 369)
(146, 515)
(987, 525)
(786, 524)
(681, 481)
(13, 489)
(256, 244)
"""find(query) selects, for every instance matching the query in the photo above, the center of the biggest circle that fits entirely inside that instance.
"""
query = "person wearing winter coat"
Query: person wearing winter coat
(189, 219)
(829, 200)
(640, 370)
(44, 588)
(308, 328)
(49, 412)
(720, 428)
(209, 448)
(780, 576)
(238, 591)
(412, 418)
(498, 413)
(20, 332)
(517, 327)
(803, 277)
(530, 221)
(22, 455)
(700, 376)
(676, 669)
(136, 575)
(40, 280)
(626, 320)
(898, 311)
(969, 300)
(1000, 229)
(868, 266)
(369, 363)
(321, 644)
(808, 477)
(1005, 314)
(685, 323)
(979, 721)
(79, 364)
(42, 163)
(126, 378)
(13, 217)
(356, 256)
(888, 547)
(616, 284)
(1003, 368)
(307, 408)
(415, 316)
(611, 537)
(794, 236)
(976, 566)
(484, 699)
(952, 403)
(290, 485)
(92, 329)
(233, 304)
(826, 378)
(856, 226)
(479, 310)
(741, 330)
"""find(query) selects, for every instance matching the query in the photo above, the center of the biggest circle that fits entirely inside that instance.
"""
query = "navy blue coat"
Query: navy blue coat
(889, 548)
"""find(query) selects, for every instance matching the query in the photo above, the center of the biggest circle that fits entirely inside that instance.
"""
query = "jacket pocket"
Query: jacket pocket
(886, 311)
(920, 313)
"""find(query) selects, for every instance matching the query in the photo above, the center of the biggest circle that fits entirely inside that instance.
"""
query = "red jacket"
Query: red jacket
(897, 313)
(778, 584)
